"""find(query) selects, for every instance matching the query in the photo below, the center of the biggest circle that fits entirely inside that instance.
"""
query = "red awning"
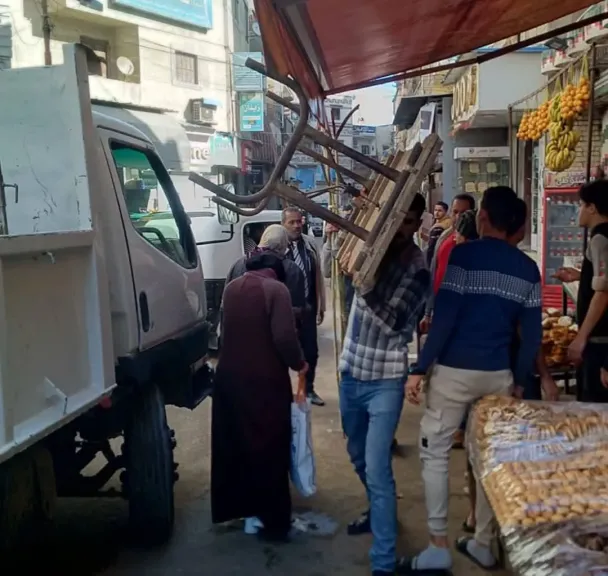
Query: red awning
(331, 46)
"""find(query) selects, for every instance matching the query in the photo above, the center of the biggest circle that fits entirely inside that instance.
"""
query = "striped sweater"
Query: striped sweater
(488, 290)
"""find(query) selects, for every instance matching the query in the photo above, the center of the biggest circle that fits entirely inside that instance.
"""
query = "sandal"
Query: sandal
(406, 567)
(461, 546)
(467, 528)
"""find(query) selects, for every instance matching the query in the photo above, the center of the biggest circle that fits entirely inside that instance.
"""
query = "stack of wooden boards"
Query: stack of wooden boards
(383, 214)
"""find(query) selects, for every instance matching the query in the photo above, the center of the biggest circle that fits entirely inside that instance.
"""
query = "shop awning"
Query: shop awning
(332, 46)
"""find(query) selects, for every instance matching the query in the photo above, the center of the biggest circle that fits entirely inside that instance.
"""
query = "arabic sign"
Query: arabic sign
(566, 179)
(194, 12)
(245, 79)
(251, 111)
(364, 130)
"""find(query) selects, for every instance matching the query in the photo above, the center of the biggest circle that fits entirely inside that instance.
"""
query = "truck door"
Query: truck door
(167, 276)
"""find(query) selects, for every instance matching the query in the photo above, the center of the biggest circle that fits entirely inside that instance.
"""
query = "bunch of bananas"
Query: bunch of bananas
(561, 150)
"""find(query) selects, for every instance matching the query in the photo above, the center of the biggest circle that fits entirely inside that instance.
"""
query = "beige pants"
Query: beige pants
(449, 393)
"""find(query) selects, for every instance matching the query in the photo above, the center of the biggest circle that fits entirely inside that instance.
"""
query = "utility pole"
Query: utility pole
(46, 32)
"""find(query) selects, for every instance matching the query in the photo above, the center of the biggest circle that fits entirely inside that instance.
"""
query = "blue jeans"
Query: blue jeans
(370, 416)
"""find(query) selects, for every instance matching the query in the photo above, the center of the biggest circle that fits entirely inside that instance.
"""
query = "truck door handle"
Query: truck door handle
(144, 311)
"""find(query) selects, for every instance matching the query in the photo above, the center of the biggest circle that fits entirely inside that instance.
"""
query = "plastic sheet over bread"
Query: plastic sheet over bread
(544, 468)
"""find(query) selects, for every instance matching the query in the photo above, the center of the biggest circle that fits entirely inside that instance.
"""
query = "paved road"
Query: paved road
(90, 536)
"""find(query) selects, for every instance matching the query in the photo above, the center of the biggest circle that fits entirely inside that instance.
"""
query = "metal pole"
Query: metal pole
(592, 78)
(510, 114)
(46, 32)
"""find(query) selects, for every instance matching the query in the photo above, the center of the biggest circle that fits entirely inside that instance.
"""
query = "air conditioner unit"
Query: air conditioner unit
(201, 113)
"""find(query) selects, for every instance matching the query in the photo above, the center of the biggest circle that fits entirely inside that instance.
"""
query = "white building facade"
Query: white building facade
(164, 55)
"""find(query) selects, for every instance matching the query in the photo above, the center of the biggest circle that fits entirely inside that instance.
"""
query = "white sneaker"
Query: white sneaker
(253, 525)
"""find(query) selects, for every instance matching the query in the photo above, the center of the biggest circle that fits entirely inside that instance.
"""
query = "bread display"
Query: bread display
(544, 469)
(558, 333)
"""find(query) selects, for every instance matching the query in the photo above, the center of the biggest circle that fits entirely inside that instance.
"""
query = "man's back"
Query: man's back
(489, 287)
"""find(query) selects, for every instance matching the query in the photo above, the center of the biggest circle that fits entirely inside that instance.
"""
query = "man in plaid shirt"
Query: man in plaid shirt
(373, 369)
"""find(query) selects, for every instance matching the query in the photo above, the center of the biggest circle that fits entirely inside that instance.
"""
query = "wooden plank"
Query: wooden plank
(385, 199)
(366, 215)
(373, 252)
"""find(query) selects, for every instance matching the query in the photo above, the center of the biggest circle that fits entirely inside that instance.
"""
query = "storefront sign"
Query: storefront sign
(564, 179)
(257, 174)
(464, 102)
(193, 12)
(245, 79)
(200, 153)
(480, 152)
(251, 111)
(343, 101)
(223, 150)
(364, 130)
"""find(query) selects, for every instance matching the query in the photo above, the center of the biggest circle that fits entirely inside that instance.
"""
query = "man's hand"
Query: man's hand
(425, 325)
(567, 274)
(604, 377)
(331, 228)
(550, 388)
(320, 317)
(413, 389)
(300, 397)
(518, 392)
(576, 349)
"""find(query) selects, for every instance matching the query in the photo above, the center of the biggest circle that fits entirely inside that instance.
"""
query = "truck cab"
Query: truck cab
(102, 306)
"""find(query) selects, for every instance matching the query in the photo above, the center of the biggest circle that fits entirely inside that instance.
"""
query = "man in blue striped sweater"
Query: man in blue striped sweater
(490, 288)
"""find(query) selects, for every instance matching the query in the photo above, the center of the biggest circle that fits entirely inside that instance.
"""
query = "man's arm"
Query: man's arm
(598, 247)
(447, 308)
(530, 321)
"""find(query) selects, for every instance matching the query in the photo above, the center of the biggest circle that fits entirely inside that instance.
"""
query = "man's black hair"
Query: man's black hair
(596, 193)
(500, 204)
(443, 205)
(418, 205)
(466, 198)
(520, 213)
(466, 225)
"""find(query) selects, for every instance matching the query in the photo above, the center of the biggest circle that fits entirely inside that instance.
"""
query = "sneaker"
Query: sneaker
(361, 525)
(316, 399)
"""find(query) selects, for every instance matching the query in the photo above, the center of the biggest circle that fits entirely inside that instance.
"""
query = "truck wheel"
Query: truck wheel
(148, 452)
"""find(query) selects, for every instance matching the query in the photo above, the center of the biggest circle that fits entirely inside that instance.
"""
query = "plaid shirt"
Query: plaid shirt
(381, 324)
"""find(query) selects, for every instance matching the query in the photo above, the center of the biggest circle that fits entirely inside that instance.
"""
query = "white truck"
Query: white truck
(102, 305)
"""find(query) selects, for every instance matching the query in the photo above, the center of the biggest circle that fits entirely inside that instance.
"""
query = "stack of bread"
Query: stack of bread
(544, 469)
(558, 333)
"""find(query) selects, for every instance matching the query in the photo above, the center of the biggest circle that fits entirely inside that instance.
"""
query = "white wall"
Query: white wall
(153, 59)
(507, 79)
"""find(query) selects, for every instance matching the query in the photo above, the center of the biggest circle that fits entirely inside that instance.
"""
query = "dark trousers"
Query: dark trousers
(589, 385)
(310, 347)
(349, 293)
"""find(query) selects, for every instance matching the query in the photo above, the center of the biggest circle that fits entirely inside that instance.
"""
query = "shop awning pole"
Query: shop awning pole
(510, 127)
(592, 75)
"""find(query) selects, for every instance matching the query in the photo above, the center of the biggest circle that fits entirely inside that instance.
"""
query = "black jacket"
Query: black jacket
(294, 279)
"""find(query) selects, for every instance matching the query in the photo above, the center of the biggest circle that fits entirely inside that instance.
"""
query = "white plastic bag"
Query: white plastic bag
(302, 458)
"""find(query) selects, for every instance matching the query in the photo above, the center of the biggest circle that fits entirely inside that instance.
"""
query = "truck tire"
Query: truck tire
(149, 478)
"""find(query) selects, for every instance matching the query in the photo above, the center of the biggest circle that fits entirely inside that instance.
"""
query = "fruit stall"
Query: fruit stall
(558, 121)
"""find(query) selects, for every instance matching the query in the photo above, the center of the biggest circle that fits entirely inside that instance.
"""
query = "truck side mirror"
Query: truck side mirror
(226, 217)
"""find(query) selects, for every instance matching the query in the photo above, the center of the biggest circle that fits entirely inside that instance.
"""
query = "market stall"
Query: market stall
(557, 120)
(544, 469)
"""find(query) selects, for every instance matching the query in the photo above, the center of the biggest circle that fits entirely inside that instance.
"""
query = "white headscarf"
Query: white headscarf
(275, 238)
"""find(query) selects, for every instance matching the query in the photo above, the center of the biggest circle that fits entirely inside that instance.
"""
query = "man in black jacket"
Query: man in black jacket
(589, 349)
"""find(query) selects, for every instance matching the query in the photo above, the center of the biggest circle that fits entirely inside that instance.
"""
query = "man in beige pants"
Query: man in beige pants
(490, 288)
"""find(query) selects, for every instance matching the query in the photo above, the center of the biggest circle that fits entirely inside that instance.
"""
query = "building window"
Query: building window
(97, 56)
(186, 68)
(365, 149)
(335, 113)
